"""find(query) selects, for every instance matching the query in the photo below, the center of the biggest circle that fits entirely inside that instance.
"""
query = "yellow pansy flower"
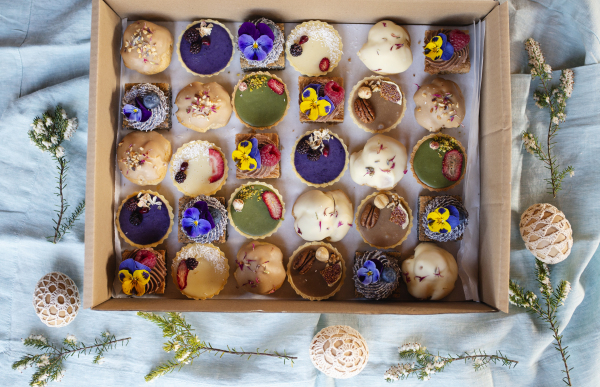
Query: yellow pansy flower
(243, 155)
(134, 283)
(317, 107)
(443, 219)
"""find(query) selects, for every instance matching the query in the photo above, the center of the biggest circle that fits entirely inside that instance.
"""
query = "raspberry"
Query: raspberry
(296, 50)
(324, 64)
(195, 48)
(326, 151)
(303, 147)
(314, 155)
(136, 218)
(131, 204)
(269, 155)
(191, 263)
(335, 92)
(191, 35)
(205, 41)
(458, 39)
(144, 210)
(180, 177)
(303, 39)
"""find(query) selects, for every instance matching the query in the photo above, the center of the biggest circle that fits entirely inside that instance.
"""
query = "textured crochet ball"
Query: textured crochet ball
(56, 300)
(339, 351)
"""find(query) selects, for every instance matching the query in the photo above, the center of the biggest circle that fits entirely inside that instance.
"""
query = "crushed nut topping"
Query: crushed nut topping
(141, 42)
(202, 105)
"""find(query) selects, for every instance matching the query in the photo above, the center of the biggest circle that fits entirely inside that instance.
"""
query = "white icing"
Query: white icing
(386, 156)
(430, 274)
(387, 50)
(322, 215)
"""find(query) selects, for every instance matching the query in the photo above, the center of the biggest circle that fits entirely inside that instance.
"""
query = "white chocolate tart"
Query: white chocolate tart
(387, 50)
(323, 215)
(203, 279)
(323, 42)
(205, 173)
(381, 164)
(259, 268)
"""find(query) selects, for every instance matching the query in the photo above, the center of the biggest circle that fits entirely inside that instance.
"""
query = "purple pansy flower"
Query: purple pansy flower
(131, 265)
(197, 220)
(255, 41)
(368, 273)
(447, 48)
(132, 112)
(255, 152)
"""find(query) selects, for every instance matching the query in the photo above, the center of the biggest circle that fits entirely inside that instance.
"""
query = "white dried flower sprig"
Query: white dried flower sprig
(426, 364)
(48, 133)
(187, 346)
(49, 363)
(553, 298)
(556, 100)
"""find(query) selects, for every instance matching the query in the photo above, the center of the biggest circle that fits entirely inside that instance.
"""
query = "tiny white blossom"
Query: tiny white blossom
(44, 361)
(60, 152)
(47, 144)
(71, 339)
(572, 173)
(555, 120)
(63, 114)
(478, 361)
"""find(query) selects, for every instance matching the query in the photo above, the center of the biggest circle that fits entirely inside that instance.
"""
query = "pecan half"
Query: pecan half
(369, 217)
(304, 261)
(364, 110)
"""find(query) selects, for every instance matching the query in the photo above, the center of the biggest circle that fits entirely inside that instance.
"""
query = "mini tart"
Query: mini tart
(323, 42)
(439, 105)
(158, 274)
(254, 221)
(385, 234)
(156, 46)
(383, 288)
(155, 227)
(161, 114)
(260, 107)
(388, 114)
(337, 113)
(143, 158)
(259, 268)
(459, 63)
(218, 212)
(428, 171)
(208, 278)
(221, 46)
(311, 285)
(275, 59)
(264, 172)
(203, 106)
(199, 170)
(325, 171)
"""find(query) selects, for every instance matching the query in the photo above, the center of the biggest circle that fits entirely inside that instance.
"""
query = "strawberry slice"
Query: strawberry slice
(273, 204)
(217, 165)
(182, 273)
(146, 257)
(324, 64)
(452, 165)
(276, 86)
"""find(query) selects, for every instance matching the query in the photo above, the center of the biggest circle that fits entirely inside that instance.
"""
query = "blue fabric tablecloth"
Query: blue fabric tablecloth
(44, 51)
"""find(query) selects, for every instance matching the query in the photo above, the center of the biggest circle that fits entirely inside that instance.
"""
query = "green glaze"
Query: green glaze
(254, 219)
(260, 107)
(428, 166)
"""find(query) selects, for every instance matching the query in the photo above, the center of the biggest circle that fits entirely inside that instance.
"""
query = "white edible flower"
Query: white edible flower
(184, 356)
(555, 120)
(44, 361)
(60, 375)
(71, 339)
(478, 361)
(54, 140)
(47, 144)
(60, 152)
(572, 173)
(48, 122)
(63, 114)
(567, 82)
(71, 128)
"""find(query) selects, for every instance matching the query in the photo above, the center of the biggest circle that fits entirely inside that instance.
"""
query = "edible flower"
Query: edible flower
(197, 220)
(133, 276)
(439, 48)
(247, 155)
(368, 273)
(443, 219)
(255, 41)
(315, 105)
(132, 112)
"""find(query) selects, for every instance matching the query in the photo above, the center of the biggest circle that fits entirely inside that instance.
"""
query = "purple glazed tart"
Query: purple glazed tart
(205, 47)
(144, 219)
(320, 158)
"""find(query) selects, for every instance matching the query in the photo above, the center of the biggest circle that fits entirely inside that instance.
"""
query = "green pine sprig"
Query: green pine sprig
(187, 346)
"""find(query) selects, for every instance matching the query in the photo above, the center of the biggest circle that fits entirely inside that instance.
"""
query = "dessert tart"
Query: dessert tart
(260, 100)
(202, 219)
(320, 158)
(260, 43)
(441, 218)
(205, 47)
(387, 50)
(316, 271)
(143, 158)
(439, 105)
(314, 48)
(321, 99)
(198, 168)
(257, 156)
(381, 164)
(438, 162)
(147, 106)
(376, 274)
(256, 210)
(259, 268)
(322, 215)
(147, 47)
(377, 104)
(155, 264)
(200, 271)
(431, 273)
(144, 219)
(447, 51)
(203, 106)
(384, 220)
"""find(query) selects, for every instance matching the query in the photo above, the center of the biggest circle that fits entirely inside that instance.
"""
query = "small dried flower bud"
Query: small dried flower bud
(322, 254)
(381, 201)
(365, 92)
(238, 205)
(434, 145)
(243, 86)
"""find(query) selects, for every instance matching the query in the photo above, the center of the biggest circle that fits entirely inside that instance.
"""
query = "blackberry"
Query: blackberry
(183, 166)
(191, 263)
(180, 177)
(195, 48)
(136, 218)
(296, 50)
(314, 154)
(131, 204)
(191, 35)
(303, 147)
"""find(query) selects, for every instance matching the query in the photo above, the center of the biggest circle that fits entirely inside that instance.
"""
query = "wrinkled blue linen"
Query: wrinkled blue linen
(44, 48)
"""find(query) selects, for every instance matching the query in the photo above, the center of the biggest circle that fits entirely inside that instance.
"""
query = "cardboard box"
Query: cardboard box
(494, 145)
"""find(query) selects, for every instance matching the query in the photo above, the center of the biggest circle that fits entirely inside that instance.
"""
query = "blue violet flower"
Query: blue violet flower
(197, 220)
(255, 41)
(368, 274)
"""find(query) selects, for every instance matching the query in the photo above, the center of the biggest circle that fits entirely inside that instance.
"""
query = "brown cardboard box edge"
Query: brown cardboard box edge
(495, 137)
